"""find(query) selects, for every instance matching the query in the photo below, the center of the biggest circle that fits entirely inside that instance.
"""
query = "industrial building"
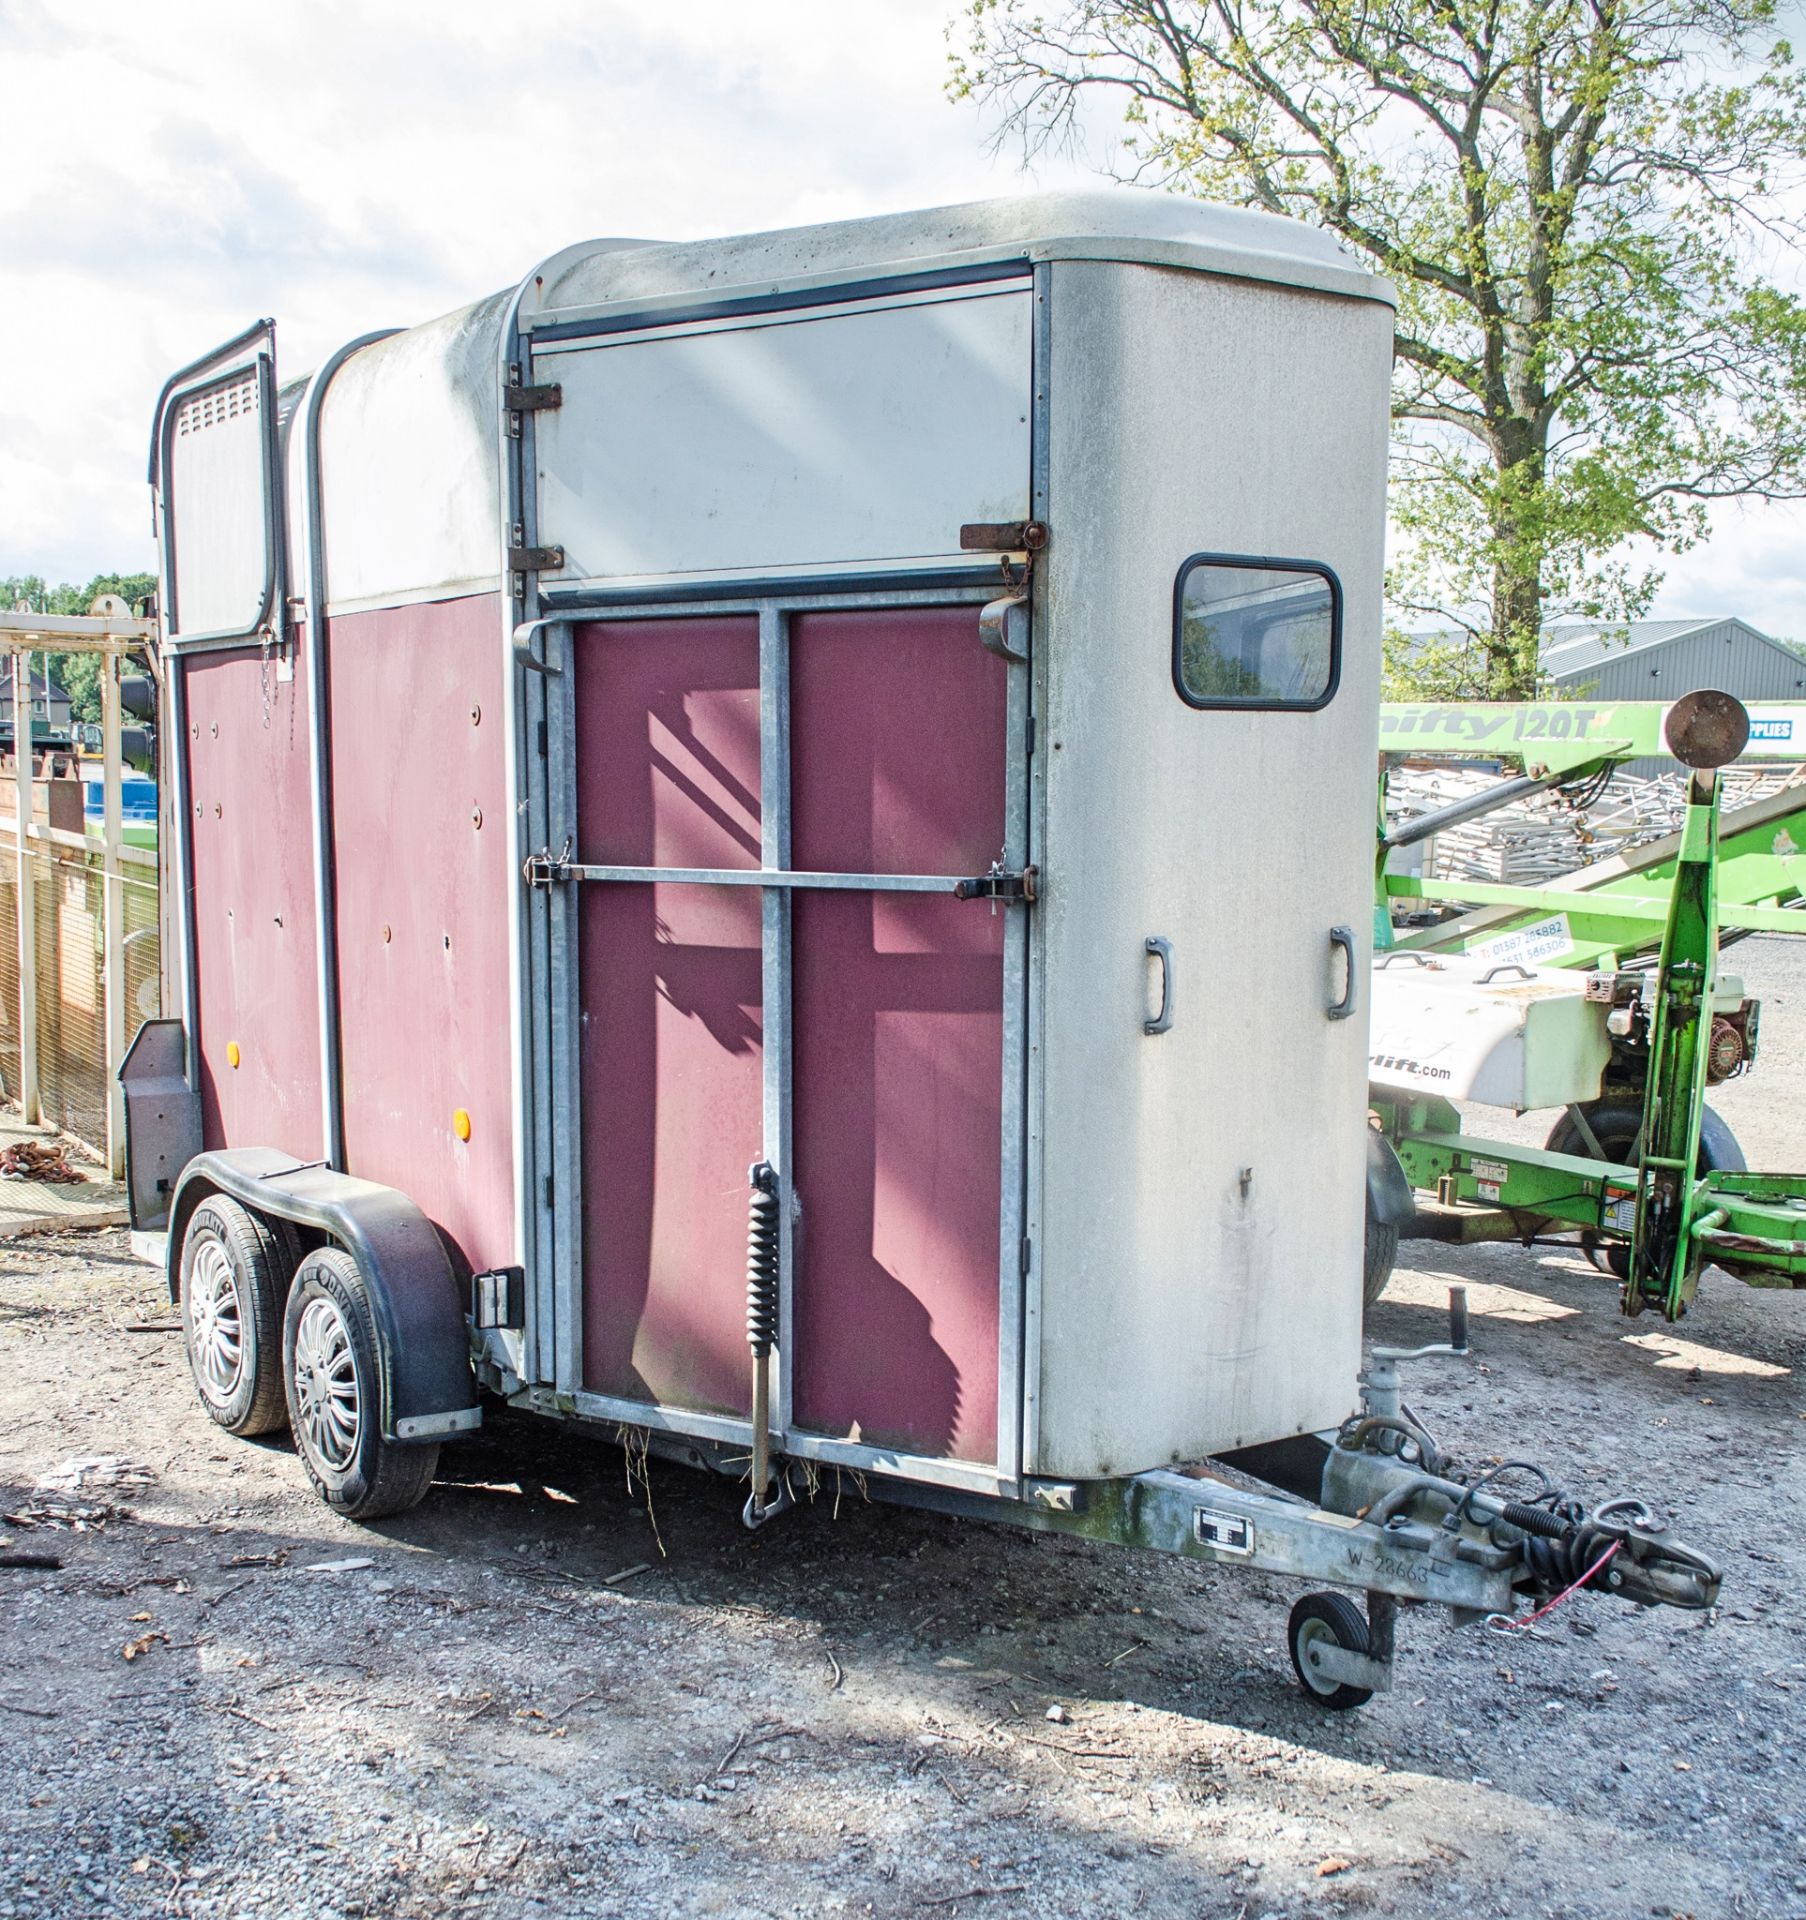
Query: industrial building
(1662, 659)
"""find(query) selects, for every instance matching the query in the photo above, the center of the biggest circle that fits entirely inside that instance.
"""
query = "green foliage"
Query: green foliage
(1577, 201)
(1208, 670)
(77, 673)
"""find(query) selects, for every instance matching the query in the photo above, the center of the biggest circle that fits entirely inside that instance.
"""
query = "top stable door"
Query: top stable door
(836, 438)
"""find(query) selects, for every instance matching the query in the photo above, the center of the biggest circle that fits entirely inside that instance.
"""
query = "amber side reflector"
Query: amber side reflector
(461, 1124)
(232, 1053)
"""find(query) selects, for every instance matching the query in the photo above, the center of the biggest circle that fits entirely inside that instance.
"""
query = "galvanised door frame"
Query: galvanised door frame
(554, 1340)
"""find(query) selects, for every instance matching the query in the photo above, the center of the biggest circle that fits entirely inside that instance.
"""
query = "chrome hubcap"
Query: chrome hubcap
(216, 1323)
(326, 1393)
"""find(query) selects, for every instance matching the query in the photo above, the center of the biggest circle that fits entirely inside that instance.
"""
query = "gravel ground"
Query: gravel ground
(532, 1696)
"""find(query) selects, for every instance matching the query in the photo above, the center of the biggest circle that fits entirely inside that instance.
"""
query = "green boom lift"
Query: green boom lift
(1652, 1208)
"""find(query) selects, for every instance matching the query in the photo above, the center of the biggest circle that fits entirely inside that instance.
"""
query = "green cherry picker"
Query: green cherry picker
(1653, 1209)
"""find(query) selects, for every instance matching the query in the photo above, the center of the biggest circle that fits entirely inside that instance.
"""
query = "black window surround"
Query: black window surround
(1259, 699)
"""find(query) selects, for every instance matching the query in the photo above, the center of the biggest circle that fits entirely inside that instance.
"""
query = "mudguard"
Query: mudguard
(1389, 1199)
(427, 1388)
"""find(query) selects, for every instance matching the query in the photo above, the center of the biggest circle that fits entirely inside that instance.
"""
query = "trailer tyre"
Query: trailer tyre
(331, 1372)
(1616, 1129)
(234, 1276)
(1381, 1254)
(1327, 1620)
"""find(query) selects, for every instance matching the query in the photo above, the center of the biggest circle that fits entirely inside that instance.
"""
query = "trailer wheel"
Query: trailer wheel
(1616, 1129)
(235, 1272)
(331, 1372)
(1381, 1254)
(1327, 1620)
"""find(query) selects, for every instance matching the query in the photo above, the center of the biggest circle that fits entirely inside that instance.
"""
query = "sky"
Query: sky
(178, 168)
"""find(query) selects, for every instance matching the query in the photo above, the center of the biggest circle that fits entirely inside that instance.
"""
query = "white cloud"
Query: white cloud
(178, 167)
(1754, 565)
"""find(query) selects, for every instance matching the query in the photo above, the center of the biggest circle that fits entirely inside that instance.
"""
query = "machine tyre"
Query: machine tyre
(1332, 1618)
(234, 1276)
(332, 1375)
(1616, 1129)
(1379, 1258)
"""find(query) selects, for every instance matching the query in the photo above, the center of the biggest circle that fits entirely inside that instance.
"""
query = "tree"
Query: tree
(1577, 201)
(77, 673)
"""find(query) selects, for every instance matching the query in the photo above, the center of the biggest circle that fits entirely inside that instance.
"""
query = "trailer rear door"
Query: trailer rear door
(840, 1014)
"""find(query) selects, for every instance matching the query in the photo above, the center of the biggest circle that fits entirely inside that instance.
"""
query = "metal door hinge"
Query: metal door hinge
(535, 559)
(548, 869)
(997, 883)
(542, 399)
(519, 400)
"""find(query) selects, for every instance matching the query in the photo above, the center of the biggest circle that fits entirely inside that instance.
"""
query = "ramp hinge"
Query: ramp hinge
(999, 884)
(535, 559)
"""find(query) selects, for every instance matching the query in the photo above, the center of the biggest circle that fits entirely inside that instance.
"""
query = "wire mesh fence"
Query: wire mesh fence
(69, 896)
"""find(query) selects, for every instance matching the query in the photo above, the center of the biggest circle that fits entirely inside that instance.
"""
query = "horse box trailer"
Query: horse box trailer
(716, 797)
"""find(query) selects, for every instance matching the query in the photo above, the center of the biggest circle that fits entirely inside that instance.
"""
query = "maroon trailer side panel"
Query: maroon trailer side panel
(898, 766)
(255, 959)
(424, 895)
(671, 1054)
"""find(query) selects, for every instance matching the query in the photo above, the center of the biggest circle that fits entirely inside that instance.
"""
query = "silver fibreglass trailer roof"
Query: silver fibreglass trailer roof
(407, 433)
(1119, 224)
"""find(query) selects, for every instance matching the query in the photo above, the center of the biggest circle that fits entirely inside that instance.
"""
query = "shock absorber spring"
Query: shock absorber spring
(762, 1246)
(762, 1261)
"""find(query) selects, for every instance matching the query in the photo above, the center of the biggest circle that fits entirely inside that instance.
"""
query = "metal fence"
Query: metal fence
(69, 893)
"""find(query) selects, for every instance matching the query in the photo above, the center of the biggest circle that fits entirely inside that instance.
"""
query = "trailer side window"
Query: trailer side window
(1254, 632)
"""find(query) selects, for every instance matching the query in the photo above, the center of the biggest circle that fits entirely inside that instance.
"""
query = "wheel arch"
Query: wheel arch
(427, 1389)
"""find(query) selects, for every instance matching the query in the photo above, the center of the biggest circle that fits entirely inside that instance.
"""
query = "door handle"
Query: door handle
(1342, 940)
(1162, 950)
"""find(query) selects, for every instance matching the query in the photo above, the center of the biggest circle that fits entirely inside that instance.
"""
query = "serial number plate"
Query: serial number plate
(1231, 1533)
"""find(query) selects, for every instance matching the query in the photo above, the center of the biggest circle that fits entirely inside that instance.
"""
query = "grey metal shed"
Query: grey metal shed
(1662, 659)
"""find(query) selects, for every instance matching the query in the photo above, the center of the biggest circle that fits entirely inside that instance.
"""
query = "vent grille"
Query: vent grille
(218, 405)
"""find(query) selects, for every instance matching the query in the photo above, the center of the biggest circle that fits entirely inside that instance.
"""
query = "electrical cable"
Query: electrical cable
(1502, 1623)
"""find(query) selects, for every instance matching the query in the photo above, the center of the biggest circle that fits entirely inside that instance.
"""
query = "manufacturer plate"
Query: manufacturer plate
(1227, 1533)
